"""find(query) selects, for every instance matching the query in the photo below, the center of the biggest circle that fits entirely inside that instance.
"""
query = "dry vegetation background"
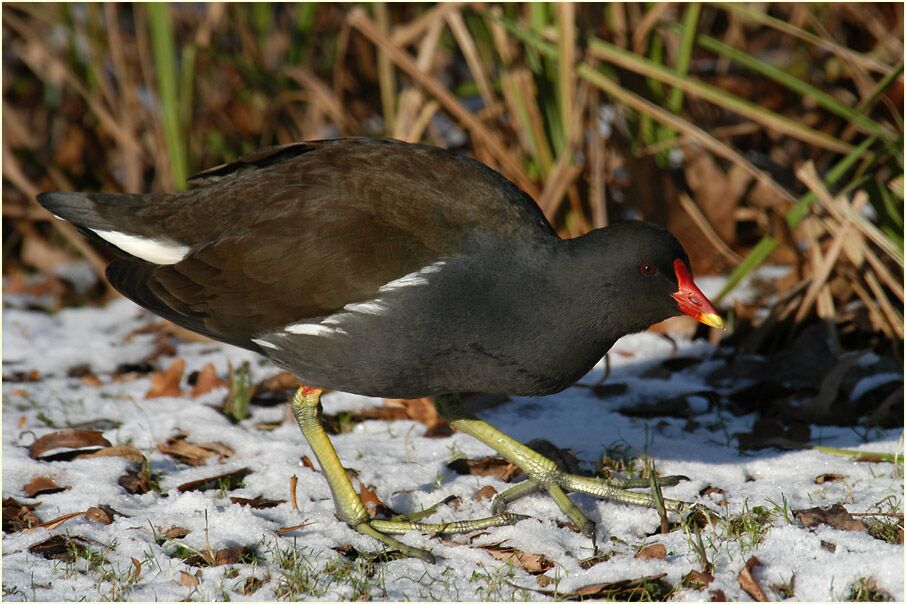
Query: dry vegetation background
(759, 134)
(769, 132)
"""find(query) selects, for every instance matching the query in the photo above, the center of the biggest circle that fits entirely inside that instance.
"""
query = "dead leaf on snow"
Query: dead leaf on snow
(835, 516)
(373, 503)
(135, 482)
(258, 502)
(655, 551)
(126, 451)
(491, 465)
(188, 580)
(227, 480)
(99, 515)
(176, 532)
(60, 547)
(695, 579)
(829, 546)
(74, 440)
(138, 569)
(748, 583)
(91, 380)
(484, 493)
(55, 522)
(18, 516)
(166, 383)
(286, 530)
(627, 589)
(534, 564)
(718, 595)
(194, 454)
(207, 380)
(42, 485)
(822, 478)
(274, 390)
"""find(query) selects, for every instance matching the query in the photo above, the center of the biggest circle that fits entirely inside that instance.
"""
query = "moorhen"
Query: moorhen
(396, 270)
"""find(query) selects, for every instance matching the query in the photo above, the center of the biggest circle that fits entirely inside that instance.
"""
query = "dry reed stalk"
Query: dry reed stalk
(319, 94)
(597, 192)
(822, 271)
(13, 172)
(651, 18)
(412, 99)
(561, 175)
(386, 73)
(842, 212)
(480, 134)
(405, 34)
(131, 155)
(681, 125)
(473, 60)
(40, 60)
(704, 225)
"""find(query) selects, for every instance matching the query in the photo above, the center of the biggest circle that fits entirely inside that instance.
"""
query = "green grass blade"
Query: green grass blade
(164, 49)
(821, 98)
(684, 56)
(627, 60)
(793, 217)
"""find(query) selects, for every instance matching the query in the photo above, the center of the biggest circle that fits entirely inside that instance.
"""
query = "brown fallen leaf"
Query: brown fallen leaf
(228, 480)
(484, 493)
(135, 482)
(748, 583)
(18, 516)
(534, 564)
(188, 580)
(293, 483)
(99, 515)
(543, 580)
(166, 383)
(373, 503)
(66, 439)
(55, 522)
(60, 547)
(274, 390)
(718, 595)
(587, 563)
(194, 454)
(655, 551)
(138, 569)
(91, 380)
(831, 547)
(835, 516)
(286, 530)
(228, 555)
(176, 532)
(695, 579)
(651, 587)
(126, 451)
(42, 485)
(822, 478)
(491, 465)
(258, 502)
(207, 380)
(251, 585)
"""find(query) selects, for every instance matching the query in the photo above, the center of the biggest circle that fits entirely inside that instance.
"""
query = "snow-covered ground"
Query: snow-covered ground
(130, 558)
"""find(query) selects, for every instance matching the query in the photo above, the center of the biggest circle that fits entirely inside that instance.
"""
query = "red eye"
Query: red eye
(649, 270)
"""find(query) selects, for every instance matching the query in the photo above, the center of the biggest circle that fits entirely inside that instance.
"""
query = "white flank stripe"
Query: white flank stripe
(158, 252)
(419, 277)
(371, 307)
(265, 344)
(309, 329)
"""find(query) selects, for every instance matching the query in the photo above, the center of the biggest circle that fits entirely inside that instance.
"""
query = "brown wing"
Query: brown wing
(302, 230)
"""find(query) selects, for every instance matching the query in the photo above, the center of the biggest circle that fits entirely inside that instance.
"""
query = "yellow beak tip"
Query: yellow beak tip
(712, 320)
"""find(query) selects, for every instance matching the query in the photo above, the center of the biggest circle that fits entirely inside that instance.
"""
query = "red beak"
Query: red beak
(691, 300)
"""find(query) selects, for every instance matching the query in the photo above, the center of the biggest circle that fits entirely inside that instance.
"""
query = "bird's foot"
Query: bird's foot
(557, 483)
(382, 529)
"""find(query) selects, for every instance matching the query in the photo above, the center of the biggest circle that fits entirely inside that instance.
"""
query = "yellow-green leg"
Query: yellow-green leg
(350, 509)
(543, 474)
